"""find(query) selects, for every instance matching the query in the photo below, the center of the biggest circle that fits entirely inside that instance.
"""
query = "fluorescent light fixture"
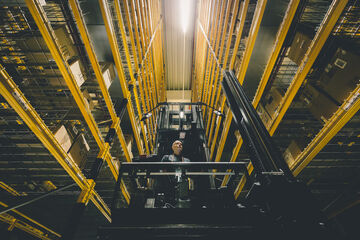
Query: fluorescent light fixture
(184, 14)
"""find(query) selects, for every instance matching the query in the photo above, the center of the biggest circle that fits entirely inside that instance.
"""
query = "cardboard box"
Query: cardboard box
(237, 64)
(341, 75)
(37, 51)
(129, 141)
(108, 72)
(299, 47)
(76, 145)
(78, 72)
(63, 137)
(79, 150)
(293, 150)
(88, 100)
(321, 106)
(272, 101)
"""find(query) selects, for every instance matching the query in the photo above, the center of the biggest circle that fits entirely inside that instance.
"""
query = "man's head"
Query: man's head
(177, 147)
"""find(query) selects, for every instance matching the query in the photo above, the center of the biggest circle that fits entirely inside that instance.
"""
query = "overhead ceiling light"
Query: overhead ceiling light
(184, 14)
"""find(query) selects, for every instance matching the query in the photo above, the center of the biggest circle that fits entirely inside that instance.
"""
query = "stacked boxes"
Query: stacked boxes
(129, 142)
(267, 111)
(293, 151)
(108, 72)
(299, 47)
(320, 105)
(272, 101)
(74, 144)
(37, 51)
(341, 75)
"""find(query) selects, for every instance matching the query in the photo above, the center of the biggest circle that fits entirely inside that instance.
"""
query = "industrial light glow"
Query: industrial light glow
(184, 14)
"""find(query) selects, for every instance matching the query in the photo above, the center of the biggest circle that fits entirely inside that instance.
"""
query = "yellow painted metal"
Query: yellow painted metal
(215, 15)
(85, 194)
(213, 142)
(228, 120)
(255, 25)
(217, 85)
(244, 7)
(97, 70)
(117, 59)
(21, 105)
(144, 69)
(280, 38)
(213, 63)
(31, 220)
(9, 189)
(209, 7)
(242, 182)
(345, 112)
(243, 11)
(151, 79)
(233, 159)
(141, 52)
(317, 43)
(127, 54)
(157, 47)
(14, 222)
(232, 26)
(47, 32)
(150, 57)
(129, 24)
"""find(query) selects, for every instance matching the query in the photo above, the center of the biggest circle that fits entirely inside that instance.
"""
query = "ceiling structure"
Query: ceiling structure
(151, 55)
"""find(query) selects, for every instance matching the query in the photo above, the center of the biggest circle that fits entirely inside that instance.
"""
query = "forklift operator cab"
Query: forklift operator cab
(163, 205)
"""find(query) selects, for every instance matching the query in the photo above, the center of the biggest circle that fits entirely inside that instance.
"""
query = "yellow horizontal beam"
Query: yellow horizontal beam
(22, 106)
(9, 189)
(243, 11)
